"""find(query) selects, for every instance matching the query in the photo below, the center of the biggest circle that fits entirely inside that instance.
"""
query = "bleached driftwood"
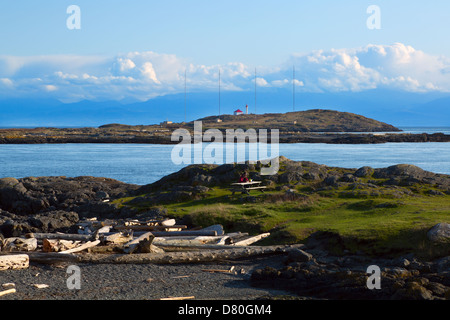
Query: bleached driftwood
(152, 228)
(218, 228)
(168, 222)
(19, 244)
(5, 292)
(200, 240)
(251, 240)
(142, 244)
(57, 245)
(180, 233)
(84, 246)
(15, 261)
(116, 238)
(178, 298)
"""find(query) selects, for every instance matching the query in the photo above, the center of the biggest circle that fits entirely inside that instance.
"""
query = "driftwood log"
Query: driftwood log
(212, 233)
(116, 238)
(19, 244)
(190, 241)
(62, 236)
(151, 228)
(208, 255)
(12, 290)
(52, 257)
(14, 261)
(57, 245)
(82, 247)
(141, 244)
(251, 240)
(187, 257)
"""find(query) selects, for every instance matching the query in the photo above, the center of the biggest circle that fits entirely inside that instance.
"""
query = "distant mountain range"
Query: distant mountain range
(401, 109)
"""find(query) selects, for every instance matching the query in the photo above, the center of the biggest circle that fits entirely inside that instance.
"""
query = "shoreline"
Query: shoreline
(32, 137)
(300, 193)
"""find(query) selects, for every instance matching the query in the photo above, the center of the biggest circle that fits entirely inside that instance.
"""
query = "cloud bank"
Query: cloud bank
(144, 75)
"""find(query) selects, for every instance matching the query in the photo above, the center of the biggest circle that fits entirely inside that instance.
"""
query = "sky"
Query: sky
(139, 49)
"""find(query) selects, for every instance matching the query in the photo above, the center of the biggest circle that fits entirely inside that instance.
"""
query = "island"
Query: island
(311, 126)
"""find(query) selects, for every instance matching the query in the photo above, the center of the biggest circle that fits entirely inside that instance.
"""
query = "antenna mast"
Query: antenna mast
(293, 88)
(255, 91)
(219, 91)
(184, 95)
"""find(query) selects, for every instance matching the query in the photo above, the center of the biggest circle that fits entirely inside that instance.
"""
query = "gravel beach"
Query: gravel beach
(141, 281)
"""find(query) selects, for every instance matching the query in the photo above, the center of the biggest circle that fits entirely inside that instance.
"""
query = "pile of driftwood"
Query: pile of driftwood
(131, 241)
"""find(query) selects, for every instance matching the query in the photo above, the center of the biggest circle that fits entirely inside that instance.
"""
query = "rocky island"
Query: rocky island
(312, 126)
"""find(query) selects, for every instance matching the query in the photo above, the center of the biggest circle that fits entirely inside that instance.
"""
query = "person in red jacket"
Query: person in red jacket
(243, 177)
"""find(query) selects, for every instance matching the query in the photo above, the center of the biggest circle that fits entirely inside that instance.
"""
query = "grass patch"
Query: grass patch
(375, 224)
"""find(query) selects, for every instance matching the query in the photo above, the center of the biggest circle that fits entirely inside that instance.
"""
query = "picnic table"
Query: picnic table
(246, 187)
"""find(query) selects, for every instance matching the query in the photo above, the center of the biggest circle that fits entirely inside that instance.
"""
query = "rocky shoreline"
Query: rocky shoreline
(314, 271)
(26, 137)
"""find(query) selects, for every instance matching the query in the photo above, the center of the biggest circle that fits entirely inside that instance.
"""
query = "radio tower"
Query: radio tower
(293, 88)
(219, 92)
(255, 91)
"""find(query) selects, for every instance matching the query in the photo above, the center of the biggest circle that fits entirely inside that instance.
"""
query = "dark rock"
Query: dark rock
(433, 192)
(54, 221)
(443, 264)
(331, 180)
(439, 233)
(348, 177)
(101, 195)
(413, 291)
(364, 172)
(12, 225)
(298, 255)
(32, 195)
(437, 288)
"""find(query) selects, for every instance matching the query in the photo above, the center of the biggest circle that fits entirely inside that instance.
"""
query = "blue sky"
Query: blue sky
(141, 48)
(249, 31)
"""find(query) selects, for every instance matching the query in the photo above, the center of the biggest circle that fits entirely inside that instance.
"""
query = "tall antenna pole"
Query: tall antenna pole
(293, 88)
(184, 95)
(219, 91)
(255, 91)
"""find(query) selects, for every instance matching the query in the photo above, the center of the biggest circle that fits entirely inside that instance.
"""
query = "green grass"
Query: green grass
(376, 224)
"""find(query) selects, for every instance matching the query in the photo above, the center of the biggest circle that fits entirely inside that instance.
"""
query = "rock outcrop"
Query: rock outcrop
(317, 274)
(440, 233)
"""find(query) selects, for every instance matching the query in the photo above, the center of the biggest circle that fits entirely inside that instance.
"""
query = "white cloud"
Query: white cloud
(6, 82)
(261, 82)
(143, 75)
(50, 88)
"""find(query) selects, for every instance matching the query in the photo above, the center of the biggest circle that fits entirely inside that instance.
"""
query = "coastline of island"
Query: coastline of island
(312, 126)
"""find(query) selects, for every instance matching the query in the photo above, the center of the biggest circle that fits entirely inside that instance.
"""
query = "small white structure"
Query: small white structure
(238, 112)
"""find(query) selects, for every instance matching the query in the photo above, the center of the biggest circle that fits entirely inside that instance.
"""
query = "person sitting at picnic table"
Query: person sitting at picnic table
(243, 177)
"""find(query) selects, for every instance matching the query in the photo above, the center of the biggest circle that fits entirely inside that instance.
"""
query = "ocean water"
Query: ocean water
(145, 163)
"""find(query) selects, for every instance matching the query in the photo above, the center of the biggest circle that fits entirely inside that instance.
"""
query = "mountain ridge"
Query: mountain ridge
(397, 108)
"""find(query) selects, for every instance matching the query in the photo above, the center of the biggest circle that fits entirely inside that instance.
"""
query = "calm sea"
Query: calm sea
(144, 163)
